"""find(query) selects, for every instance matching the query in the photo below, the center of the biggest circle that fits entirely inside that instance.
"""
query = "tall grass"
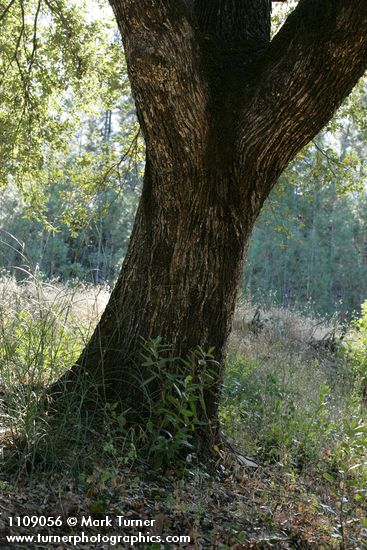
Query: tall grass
(288, 386)
(43, 328)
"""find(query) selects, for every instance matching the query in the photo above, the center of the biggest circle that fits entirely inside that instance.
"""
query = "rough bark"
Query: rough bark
(223, 111)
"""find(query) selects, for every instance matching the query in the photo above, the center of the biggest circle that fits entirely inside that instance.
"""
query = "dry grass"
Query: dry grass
(284, 342)
(44, 325)
(297, 328)
(83, 302)
(43, 328)
(290, 343)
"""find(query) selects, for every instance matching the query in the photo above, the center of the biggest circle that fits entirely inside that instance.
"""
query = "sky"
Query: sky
(99, 9)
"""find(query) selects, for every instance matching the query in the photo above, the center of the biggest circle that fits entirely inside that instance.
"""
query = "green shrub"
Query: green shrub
(269, 417)
(357, 352)
(175, 407)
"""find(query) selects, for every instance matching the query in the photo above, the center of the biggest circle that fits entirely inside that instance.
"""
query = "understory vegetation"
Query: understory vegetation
(292, 415)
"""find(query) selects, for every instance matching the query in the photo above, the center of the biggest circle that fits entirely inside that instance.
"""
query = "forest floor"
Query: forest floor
(289, 401)
(267, 509)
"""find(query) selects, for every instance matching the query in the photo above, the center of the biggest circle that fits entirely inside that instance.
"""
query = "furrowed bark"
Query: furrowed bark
(234, 23)
(298, 83)
(223, 111)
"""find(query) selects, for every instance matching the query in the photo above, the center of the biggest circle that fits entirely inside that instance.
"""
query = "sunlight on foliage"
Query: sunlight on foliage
(59, 67)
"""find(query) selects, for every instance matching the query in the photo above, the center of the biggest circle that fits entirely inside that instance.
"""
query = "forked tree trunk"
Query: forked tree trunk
(223, 111)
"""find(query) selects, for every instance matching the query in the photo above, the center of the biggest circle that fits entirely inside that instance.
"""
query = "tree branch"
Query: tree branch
(164, 59)
(6, 10)
(307, 71)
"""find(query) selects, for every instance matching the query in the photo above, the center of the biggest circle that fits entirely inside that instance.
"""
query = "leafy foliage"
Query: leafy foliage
(174, 400)
(59, 65)
(311, 237)
(357, 351)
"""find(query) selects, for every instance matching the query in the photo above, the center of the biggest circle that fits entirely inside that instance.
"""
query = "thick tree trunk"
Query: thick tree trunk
(178, 282)
(223, 111)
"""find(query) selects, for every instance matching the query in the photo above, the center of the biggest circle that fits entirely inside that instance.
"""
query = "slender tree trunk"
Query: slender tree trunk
(223, 111)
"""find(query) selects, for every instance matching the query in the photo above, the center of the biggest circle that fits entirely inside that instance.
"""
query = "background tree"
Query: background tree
(307, 246)
(60, 70)
(58, 67)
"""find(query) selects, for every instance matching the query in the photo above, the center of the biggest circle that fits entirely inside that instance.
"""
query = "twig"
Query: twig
(3, 15)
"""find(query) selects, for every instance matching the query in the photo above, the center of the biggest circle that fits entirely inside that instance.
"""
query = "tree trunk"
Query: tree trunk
(178, 282)
(222, 111)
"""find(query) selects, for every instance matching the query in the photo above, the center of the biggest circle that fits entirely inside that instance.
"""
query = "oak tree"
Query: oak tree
(223, 110)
